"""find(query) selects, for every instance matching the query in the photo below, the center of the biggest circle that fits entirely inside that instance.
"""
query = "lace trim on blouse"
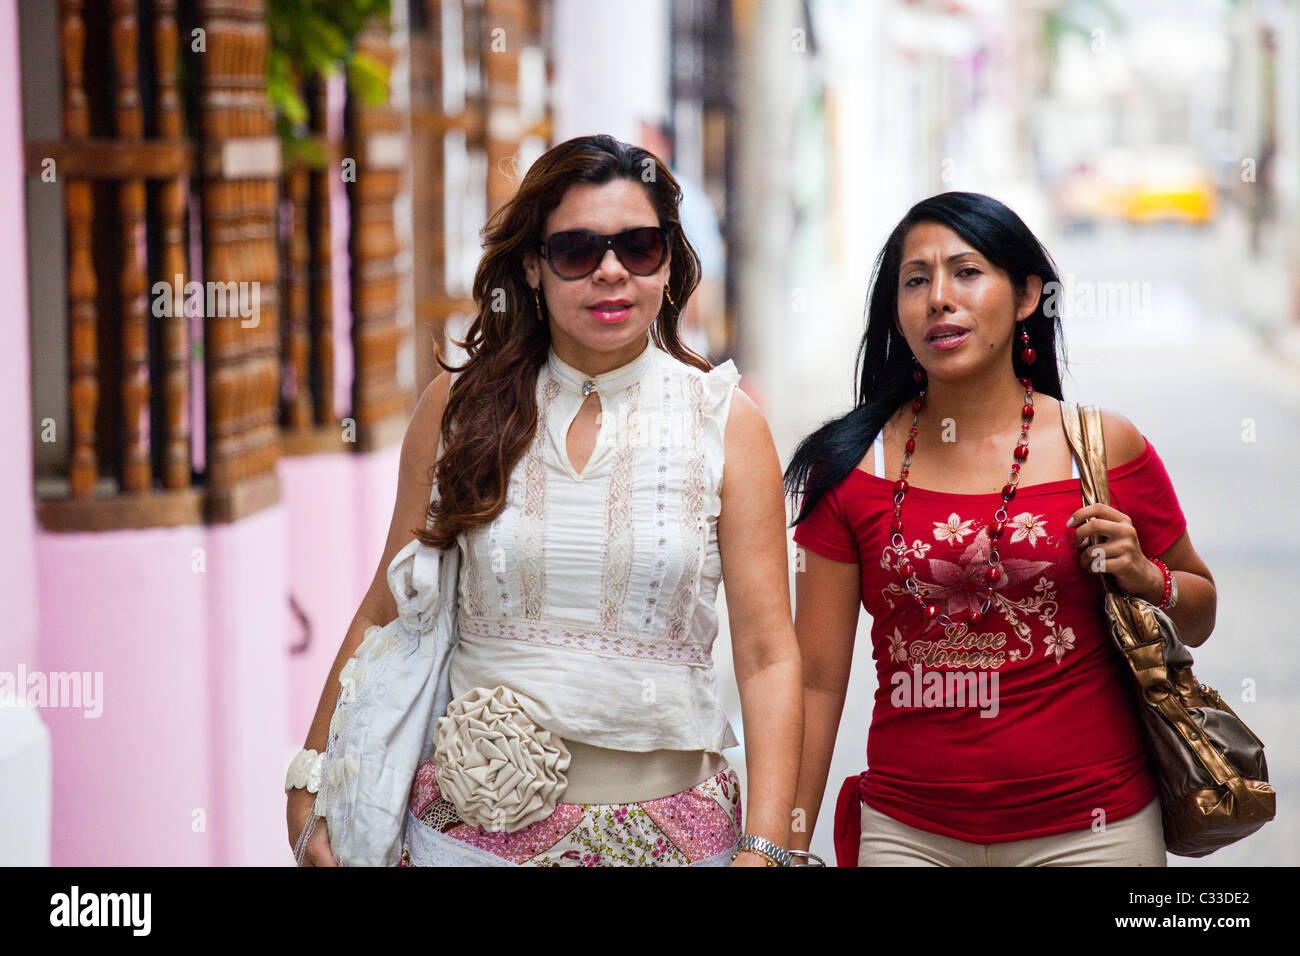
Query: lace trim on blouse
(530, 533)
(647, 647)
(619, 540)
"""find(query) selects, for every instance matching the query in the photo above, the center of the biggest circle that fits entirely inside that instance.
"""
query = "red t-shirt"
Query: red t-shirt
(1061, 738)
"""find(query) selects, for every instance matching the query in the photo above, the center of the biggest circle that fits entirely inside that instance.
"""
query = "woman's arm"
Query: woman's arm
(1198, 599)
(378, 607)
(827, 595)
(752, 544)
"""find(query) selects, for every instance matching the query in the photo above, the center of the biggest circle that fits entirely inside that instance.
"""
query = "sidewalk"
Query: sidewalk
(1261, 291)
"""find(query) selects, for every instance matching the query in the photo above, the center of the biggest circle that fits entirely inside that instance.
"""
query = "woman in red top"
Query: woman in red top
(1004, 729)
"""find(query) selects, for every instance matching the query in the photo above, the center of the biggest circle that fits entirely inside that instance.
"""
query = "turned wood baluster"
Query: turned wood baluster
(297, 342)
(376, 333)
(429, 169)
(250, 271)
(83, 363)
(267, 382)
(134, 275)
(176, 330)
(322, 262)
(221, 347)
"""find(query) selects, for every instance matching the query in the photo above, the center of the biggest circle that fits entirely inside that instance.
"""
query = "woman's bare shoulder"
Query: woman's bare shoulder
(1123, 440)
(747, 431)
(426, 421)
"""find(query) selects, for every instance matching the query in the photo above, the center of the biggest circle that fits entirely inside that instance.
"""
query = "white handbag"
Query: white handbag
(391, 694)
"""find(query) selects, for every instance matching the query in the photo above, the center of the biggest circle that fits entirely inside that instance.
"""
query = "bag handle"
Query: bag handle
(1082, 425)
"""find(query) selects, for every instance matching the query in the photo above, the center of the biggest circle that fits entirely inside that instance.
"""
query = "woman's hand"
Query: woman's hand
(301, 808)
(1120, 553)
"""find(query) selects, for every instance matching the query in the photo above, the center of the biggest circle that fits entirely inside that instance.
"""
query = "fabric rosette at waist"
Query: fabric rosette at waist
(502, 771)
(494, 763)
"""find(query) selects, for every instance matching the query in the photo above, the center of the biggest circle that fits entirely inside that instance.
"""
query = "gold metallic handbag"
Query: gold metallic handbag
(1208, 764)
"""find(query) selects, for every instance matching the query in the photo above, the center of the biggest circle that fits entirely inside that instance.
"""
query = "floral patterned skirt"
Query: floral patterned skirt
(696, 827)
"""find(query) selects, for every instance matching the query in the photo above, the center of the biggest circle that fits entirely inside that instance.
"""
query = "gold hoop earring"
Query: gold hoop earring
(538, 301)
(669, 297)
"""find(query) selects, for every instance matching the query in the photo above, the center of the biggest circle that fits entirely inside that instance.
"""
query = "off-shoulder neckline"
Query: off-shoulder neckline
(1042, 488)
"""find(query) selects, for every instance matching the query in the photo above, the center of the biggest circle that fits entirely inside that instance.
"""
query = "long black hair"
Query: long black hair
(884, 363)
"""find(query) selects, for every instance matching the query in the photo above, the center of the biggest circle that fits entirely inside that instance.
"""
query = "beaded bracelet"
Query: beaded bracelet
(304, 771)
(1169, 594)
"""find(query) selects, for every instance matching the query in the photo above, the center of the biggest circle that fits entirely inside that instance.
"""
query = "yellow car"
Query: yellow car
(1166, 185)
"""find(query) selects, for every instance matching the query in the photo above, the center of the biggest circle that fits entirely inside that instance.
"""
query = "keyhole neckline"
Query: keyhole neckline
(607, 383)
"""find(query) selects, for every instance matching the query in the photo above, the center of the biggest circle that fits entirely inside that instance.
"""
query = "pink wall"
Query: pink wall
(186, 626)
(202, 703)
(129, 605)
(339, 509)
(24, 741)
(17, 568)
(248, 680)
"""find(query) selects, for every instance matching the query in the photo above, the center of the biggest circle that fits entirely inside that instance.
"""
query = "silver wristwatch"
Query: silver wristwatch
(783, 857)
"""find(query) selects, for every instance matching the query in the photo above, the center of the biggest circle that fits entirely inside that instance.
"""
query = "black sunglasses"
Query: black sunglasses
(575, 254)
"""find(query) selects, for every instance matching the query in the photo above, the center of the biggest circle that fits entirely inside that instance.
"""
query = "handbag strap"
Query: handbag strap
(1082, 426)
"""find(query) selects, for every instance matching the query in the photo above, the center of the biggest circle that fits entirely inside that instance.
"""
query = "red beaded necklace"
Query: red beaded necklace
(994, 571)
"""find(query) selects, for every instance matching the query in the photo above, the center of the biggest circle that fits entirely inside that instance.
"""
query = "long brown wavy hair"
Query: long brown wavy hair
(491, 413)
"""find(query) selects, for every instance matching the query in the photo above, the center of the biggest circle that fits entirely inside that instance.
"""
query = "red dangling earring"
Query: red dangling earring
(918, 373)
(1027, 355)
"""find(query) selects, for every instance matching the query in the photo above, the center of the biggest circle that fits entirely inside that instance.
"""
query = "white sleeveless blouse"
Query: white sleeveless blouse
(593, 593)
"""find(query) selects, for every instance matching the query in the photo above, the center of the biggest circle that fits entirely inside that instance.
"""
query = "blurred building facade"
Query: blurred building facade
(206, 490)
(202, 493)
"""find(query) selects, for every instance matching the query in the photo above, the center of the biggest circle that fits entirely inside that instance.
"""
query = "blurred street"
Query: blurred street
(1144, 146)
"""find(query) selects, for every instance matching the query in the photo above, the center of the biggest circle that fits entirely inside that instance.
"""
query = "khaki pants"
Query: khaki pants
(1136, 840)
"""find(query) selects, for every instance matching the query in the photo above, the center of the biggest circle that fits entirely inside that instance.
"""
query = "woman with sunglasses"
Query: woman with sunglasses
(599, 479)
(1005, 730)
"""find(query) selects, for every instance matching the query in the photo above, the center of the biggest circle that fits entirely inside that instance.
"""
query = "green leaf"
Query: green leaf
(310, 40)
(368, 78)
